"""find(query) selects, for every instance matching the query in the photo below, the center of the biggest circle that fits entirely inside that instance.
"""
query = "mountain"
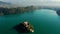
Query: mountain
(1, 2)
(6, 4)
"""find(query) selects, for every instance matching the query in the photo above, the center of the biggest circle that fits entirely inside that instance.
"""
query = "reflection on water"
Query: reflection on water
(44, 21)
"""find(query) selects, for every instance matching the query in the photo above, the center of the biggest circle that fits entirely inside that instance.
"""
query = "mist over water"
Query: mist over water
(50, 3)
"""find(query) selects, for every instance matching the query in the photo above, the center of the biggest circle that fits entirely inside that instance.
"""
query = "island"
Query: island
(24, 27)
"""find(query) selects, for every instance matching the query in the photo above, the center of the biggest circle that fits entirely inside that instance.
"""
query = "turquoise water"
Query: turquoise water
(44, 21)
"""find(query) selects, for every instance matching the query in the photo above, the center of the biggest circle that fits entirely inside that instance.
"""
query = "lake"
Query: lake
(44, 21)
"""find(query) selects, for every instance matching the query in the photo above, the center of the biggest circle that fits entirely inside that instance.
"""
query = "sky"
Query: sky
(34, 2)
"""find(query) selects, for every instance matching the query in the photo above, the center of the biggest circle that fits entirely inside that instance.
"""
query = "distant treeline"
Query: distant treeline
(4, 11)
